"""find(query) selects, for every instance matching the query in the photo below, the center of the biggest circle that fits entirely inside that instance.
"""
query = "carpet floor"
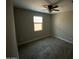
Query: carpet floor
(47, 48)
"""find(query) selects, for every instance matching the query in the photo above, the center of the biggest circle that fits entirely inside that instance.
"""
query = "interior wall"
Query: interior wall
(25, 27)
(62, 26)
(11, 45)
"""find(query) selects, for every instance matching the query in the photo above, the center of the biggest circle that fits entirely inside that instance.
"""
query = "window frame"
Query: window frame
(38, 22)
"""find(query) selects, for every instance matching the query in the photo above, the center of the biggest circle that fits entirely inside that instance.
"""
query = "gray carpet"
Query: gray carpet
(48, 48)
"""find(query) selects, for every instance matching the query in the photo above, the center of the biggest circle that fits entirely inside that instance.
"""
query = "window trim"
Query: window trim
(38, 23)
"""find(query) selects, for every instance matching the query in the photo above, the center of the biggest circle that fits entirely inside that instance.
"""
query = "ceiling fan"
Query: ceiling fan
(52, 6)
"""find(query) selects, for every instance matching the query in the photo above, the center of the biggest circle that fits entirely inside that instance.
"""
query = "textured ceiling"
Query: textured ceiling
(36, 5)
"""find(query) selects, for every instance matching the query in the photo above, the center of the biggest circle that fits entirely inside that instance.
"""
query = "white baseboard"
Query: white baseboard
(11, 58)
(64, 39)
(34, 39)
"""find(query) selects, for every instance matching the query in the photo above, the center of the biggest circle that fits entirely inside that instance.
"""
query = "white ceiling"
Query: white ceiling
(36, 5)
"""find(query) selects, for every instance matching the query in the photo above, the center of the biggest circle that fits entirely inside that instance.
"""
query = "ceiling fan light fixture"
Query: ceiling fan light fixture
(50, 11)
(51, 7)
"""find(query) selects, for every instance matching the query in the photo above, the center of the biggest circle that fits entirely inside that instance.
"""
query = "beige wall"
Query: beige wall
(62, 26)
(25, 27)
(11, 46)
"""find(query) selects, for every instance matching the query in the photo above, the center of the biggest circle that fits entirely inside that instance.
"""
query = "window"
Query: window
(38, 23)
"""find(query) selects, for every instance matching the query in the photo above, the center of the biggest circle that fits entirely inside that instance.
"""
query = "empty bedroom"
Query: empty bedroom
(43, 29)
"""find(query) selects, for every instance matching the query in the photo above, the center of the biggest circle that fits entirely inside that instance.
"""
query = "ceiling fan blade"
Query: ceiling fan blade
(46, 6)
(55, 10)
(55, 6)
